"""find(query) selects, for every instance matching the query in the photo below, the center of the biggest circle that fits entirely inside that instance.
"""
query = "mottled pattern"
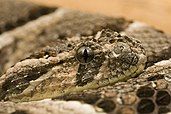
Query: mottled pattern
(53, 30)
(50, 67)
(156, 43)
(84, 75)
(150, 93)
(15, 13)
(20, 79)
(49, 77)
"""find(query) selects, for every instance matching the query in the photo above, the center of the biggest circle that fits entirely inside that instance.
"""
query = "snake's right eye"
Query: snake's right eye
(84, 54)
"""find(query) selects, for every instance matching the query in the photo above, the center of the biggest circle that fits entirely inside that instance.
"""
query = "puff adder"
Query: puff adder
(89, 63)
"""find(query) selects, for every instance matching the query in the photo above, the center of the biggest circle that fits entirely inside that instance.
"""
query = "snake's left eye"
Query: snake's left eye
(84, 54)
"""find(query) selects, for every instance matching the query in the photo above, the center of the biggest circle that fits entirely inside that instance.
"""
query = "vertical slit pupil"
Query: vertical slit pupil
(85, 55)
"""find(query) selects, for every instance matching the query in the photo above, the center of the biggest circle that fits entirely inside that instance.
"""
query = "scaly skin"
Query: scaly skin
(116, 58)
(148, 93)
(52, 30)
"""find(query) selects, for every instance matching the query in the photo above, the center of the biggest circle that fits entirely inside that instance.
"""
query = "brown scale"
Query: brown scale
(156, 43)
(53, 32)
(19, 81)
(21, 13)
(83, 76)
(137, 95)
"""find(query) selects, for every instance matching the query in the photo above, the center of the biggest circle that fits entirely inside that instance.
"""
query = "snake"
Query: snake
(109, 69)
(105, 59)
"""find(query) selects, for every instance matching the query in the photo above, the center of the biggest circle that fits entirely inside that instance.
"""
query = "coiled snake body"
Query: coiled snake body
(109, 70)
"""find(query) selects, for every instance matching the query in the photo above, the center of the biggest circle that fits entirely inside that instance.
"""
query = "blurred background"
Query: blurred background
(153, 12)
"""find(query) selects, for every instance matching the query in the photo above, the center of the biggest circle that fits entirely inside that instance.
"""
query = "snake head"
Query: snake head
(108, 58)
(96, 61)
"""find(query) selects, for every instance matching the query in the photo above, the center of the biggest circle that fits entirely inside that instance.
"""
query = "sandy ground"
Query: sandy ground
(153, 12)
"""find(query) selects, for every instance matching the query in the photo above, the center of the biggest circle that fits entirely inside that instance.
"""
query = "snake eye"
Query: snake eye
(84, 54)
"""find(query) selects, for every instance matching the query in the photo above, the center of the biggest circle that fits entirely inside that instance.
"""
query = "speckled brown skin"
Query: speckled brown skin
(49, 77)
(15, 13)
(156, 43)
(149, 93)
(52, 30)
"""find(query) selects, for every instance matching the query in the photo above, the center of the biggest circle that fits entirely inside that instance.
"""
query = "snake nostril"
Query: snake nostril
(106, 104)
(143, 92)
(145, 106)
(163, 98)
